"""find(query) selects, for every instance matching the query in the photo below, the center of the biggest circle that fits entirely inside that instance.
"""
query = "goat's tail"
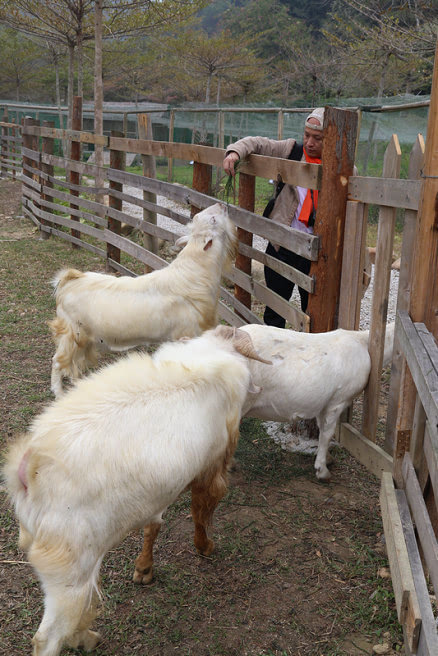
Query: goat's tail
(389, 344)
(64, 276)
(75, 351)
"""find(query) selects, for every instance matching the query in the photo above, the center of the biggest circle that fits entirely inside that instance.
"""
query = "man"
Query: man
(294, 206)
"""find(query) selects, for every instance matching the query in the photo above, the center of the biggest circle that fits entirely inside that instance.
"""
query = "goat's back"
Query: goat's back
(309, 372)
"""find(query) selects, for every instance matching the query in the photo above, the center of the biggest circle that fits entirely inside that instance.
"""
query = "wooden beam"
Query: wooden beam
(379, 305)
(375, 459)
(353, 262)
(416, 161)
(300, 173)
(428, 640)
(408, 611)
(340, 128)
(420, 365)
(246, 201)
(144, 123)
(385, 192)
(421, 518)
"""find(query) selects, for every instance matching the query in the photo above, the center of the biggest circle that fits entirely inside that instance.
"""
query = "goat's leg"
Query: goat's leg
(66, 606)
(326, 424)
(144, 571)
(205, 497)
(83, 637)
(69, 606)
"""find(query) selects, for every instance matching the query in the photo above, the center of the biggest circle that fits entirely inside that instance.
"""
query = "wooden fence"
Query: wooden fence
(409, 512)
(61, 196)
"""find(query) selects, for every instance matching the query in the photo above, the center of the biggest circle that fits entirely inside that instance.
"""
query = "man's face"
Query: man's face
(312, 140)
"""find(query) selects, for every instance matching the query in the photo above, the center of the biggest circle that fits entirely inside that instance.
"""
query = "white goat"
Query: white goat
(312, 375)
(111, 455)
(98, 311)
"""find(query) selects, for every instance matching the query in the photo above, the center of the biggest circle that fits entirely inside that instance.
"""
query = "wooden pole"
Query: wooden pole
(170, 159)
(340, 128)
(47, 148)
(149, 171)
(416, 161)
(75, 155)
(202, 177)
(423, 305)
(424, 295)
(4, 146)
(117, 161)
(379, 307)
(246, 202)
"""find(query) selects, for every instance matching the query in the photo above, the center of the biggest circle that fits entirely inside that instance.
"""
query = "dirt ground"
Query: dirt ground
(299, 566)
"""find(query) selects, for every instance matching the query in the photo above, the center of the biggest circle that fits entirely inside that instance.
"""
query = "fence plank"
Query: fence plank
(144, 123)
(385, 192)
(379, 306)
(298, 173)
(72, 175)
(246, 201)
(416, 160)
(408, 611)
(374, 458)
(353, 261)
(431, 455)
(428, 639)
(421, 518)
(419, 363)
(117, 161)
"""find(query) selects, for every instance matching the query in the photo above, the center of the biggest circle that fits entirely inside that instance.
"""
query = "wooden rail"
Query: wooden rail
(413, 555)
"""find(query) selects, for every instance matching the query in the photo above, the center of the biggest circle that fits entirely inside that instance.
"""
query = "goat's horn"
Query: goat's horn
(242, 342)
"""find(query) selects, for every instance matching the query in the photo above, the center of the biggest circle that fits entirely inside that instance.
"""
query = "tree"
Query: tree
(20, 58)
(390, 46)
(203, 61)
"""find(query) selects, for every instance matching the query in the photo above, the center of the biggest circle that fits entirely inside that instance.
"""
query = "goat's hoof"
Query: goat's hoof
(207, 548)
(86, 639)
(143, 577)
(322, 474)
(91, 640)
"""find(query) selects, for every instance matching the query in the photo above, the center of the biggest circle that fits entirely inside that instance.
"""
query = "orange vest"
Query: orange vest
(309, 204)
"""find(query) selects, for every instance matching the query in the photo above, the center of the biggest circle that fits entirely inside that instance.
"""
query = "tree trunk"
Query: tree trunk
(98, 92)
(71, 61)
(80, 66)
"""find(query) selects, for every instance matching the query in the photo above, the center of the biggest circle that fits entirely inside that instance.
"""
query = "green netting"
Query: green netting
(203, 126)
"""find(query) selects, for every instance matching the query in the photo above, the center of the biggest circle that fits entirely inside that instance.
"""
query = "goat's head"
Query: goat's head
(213, 225)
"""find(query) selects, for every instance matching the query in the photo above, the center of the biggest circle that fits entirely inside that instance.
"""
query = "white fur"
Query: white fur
(312, 375)
(98, 311)
(110, 456)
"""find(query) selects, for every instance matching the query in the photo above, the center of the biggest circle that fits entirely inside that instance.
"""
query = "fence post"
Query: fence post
(75, 155)
(379, 307)
(170, 159)
(246, 201)
(149, 171)
(117, 161)
(423, 301)
(4, 145)
(14, 150)
(340, 128)
(404, 288)
(47, 148)
(202, 176)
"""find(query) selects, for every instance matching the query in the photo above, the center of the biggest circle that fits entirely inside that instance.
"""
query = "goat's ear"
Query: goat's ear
(182, 241)
(208, 243)
(253, 389)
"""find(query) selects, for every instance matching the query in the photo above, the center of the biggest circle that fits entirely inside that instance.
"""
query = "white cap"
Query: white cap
(317, 113)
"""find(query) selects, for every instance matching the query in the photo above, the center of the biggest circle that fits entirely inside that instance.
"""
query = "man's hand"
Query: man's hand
(229, 162)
